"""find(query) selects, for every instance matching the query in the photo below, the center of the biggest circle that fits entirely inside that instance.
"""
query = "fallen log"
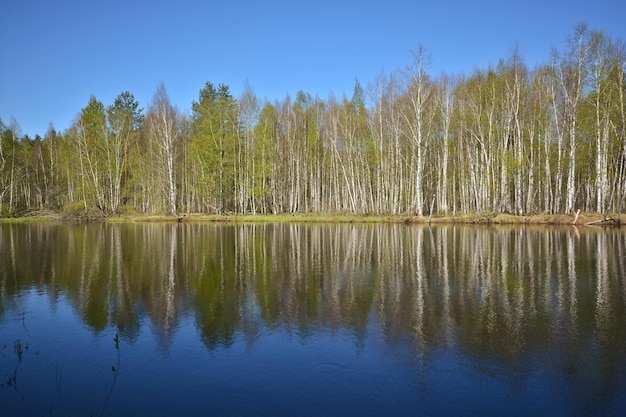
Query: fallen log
(606, 220)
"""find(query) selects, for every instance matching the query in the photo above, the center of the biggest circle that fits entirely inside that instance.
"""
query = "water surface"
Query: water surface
(275, 319)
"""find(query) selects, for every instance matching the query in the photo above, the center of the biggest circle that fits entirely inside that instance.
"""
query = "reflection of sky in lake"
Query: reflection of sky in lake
(315, 320)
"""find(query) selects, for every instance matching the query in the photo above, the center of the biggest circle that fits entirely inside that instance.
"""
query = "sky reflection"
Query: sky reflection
(356, 317)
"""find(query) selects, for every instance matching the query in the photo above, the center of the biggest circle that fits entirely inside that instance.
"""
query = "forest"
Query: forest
(503, 139)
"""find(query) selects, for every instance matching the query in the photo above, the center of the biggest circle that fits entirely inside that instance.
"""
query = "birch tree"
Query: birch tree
(477, 111)
(162, 129)
(247, 155)
(539, 147)
(620, 128)
(387, 140)
(417, 121)
(603, 61)
(571, 76)
(90, 144)
(7, 147)
(124, 120)
(445, 106)
(515, 104)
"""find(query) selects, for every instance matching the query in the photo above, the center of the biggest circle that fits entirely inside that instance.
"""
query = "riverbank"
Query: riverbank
(474, 218)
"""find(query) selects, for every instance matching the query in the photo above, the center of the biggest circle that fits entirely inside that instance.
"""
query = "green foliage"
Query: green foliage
(215, 128)
(263, 154)
(93, 122)
(125, 115)
(74, 207)
(512, 136)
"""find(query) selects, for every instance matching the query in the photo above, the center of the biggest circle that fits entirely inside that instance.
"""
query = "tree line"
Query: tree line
(503, 139)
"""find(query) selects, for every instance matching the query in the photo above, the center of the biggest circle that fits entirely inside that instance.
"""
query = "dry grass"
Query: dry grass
(472, 218)
(289, 218)
(537, 219)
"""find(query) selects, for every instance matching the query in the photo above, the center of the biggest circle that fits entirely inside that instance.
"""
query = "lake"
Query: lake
(311, 320)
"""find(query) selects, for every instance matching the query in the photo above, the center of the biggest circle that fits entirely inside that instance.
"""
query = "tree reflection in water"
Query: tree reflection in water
(513, 299)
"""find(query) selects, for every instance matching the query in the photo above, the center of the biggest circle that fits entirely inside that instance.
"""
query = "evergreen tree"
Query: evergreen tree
(214, 127)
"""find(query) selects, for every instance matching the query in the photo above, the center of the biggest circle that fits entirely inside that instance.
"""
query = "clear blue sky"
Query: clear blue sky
(55, 54)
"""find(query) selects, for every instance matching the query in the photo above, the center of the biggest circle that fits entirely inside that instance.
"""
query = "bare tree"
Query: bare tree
(571, 75)
(445, 102)
(417, 120)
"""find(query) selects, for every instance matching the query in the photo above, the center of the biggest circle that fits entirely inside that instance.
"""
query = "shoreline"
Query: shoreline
(584, 219)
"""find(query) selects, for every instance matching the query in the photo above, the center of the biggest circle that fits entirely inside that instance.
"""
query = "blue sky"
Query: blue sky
(55, 54)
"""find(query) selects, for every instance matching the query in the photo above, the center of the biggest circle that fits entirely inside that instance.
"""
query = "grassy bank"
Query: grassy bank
(474, 218)
(538, 219)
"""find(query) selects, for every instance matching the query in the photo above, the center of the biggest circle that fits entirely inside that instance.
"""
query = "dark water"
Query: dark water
(311, 320)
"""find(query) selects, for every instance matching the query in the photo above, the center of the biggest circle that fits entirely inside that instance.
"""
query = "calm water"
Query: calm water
(311, 320)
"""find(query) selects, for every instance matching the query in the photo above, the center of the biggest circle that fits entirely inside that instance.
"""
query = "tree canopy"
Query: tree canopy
(502, 139)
